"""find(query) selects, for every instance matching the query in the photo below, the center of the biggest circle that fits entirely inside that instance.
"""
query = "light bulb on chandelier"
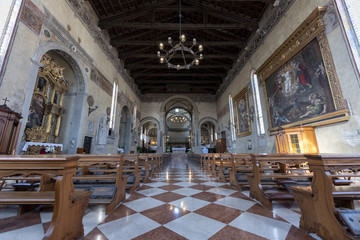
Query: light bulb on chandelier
(189, 56)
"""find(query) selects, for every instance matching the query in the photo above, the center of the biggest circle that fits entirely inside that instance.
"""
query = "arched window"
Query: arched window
(350, 19)
(9, 14)
(258, 109)
(232, 121)
(113, 105)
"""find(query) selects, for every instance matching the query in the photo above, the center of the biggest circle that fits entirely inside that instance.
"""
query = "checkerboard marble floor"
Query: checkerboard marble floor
(180, 202)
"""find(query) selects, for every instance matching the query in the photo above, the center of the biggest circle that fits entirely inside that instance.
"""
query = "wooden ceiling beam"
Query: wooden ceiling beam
(132, 34)
(162, 66)
(130, 54)
(178, 74)
(265, 1)
(188, 43)
(154, 85)
(175, 26)
(151, 82)
(106, 23)
(226, 15)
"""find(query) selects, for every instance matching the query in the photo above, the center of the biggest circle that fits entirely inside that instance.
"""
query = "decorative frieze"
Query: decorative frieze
(32, 17)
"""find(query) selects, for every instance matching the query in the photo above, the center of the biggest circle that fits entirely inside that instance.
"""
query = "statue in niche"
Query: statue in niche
(103, 131)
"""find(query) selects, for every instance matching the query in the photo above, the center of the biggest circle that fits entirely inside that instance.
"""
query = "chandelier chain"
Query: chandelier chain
(180, 48)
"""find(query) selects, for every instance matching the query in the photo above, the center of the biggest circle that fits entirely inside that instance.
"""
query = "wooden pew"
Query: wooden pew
(131, 167)
(203, 159)
(273, 169)
(241, 165)
(208, 158)
(146, 168)
(320, 203)
(101, 170)
(195, 158)
(69, 205)
(225, 166)
(214, 164)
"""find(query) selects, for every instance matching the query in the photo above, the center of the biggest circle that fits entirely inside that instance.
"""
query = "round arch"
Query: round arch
(203, 120)
(125, 128)
(82, 88)
(159, 139)
(194, 105)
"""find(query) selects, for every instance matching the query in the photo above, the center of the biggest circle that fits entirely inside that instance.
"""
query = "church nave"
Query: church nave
(180, 202)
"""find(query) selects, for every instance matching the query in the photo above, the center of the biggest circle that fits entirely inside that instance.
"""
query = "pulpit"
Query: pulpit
(9, 129)
(296, 140)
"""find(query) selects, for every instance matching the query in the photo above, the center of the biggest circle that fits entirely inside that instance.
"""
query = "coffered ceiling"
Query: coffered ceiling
(136, 27)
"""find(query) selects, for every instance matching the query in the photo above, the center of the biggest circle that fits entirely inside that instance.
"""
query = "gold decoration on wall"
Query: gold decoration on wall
(36, 134)
(46, 110)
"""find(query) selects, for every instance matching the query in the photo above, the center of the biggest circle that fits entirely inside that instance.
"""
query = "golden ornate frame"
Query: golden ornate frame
(242, 94)
(313, 27)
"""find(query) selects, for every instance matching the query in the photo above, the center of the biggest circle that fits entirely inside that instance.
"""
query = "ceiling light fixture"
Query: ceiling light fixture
(187, 53)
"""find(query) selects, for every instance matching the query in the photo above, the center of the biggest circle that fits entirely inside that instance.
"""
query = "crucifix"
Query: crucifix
(5, 100)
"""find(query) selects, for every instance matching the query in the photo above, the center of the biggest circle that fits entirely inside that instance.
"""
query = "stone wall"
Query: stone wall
(48, 26)
(338, 138)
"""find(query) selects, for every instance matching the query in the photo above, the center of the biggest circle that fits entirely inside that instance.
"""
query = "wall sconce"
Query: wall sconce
(92, 109)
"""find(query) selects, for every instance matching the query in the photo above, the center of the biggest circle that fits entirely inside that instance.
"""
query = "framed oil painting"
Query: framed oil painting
(299, 79)
(243, 124)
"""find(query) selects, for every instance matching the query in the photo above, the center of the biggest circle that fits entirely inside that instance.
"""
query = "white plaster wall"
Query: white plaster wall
(338, 138)
(16, 85)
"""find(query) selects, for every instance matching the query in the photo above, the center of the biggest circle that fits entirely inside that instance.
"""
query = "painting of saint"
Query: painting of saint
(242, 113)
(299, 89)
(41, 83)
(36, 112)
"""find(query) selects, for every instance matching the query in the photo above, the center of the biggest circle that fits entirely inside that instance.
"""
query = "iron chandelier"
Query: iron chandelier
(192, 57)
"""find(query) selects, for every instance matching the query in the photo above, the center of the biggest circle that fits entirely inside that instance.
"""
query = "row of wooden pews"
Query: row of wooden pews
(326, 187)
(71, 182)
(55, 174)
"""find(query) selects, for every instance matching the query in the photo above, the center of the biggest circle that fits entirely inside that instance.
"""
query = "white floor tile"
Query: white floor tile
(288, 215)
(185, 184)
(8, 212)
(262, 226)
(189, 203)
(195, 226)
(151, 191)
(46, 215)
(143, 204)
(128, 227)
(213, 183)
(221, 191)
(186, 191)
(34, 232)
(92, 219)
(156, 184)
(236, 203)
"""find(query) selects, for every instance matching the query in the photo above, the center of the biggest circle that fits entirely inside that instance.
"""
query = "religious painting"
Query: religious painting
(242, 113)
(41, 84)
(36, 111)
(32, 17)
(301, 86)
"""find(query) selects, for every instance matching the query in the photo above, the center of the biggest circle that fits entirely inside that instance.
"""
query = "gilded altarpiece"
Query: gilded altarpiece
(46, 110)
(300, 82)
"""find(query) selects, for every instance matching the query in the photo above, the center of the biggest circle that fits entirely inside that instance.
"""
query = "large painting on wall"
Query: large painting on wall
(301, 86)
(242, 113)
